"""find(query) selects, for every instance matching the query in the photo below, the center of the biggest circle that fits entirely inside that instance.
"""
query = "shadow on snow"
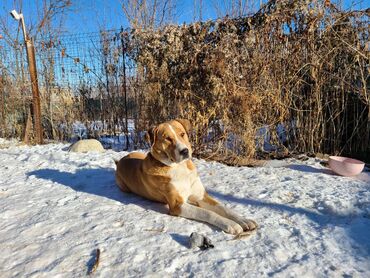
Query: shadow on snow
(97, 181)
(101, 182)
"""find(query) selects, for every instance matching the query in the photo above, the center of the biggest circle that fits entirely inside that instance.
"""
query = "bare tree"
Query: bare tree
(197, 10)
(148, 13)
(234, 8)
(52, 11)
(45, 22)
(49, 17)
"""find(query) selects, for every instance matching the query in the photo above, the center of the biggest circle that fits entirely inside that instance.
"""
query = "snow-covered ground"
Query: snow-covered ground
(57, 208)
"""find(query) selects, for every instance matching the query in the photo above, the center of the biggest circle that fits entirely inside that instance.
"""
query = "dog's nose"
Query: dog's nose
(184, 152)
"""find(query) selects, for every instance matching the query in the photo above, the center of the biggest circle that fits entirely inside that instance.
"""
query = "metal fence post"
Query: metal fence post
(125, 86)
(31, 58)
(2, 101)
(35, 90)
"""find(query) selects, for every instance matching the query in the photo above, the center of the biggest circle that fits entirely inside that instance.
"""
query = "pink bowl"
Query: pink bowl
(345, 166)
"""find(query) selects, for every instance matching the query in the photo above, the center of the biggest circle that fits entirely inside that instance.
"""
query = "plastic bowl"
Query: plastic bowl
(345, 166)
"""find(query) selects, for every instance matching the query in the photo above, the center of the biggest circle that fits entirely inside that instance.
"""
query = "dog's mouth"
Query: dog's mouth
(179, 159)
(168, 157)
(182, 158)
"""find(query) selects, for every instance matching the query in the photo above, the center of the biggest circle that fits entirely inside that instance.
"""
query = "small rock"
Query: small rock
(322, 155)
(198, 240)
(87, 145)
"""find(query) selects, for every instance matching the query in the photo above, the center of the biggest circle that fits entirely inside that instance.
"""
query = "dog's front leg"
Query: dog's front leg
(197, 213)
(211, 204)
(180, 208)
(205, 201)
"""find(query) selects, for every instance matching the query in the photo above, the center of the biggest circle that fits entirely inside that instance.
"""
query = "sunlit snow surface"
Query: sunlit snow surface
(57, 208)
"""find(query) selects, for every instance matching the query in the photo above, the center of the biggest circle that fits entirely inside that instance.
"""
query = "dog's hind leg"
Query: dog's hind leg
(121, 184)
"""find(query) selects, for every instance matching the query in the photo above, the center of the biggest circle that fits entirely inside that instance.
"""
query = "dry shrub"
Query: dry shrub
(60, 109)
(300, 66)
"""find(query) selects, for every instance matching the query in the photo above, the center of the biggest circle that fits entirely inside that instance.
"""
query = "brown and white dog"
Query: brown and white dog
(166, 174)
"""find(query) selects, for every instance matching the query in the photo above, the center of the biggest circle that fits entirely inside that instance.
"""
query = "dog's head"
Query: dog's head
(170, 141)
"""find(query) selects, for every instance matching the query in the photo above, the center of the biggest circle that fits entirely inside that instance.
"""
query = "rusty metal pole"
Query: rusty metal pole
(31, 58)
(36, 107)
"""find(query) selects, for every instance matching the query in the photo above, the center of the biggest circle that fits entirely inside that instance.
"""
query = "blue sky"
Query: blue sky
(94, 15)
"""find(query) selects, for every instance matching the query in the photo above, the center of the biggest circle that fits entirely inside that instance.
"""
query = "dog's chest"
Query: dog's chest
(183, 179)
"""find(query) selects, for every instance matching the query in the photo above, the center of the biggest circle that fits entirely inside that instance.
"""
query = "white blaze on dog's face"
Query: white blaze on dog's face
(170, 142)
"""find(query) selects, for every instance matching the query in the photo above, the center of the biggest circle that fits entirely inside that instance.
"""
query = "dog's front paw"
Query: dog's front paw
(248, 224)
(233, 228)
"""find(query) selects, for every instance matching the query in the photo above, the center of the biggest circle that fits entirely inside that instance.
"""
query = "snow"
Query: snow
(58, 207)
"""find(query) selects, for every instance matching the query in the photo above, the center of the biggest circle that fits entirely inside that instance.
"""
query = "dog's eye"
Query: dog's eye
(182, 134)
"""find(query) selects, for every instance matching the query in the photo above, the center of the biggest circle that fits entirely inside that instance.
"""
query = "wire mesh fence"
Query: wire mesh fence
(90, 74)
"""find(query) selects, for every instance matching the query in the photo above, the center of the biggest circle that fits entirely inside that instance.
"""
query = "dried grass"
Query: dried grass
(302, 65)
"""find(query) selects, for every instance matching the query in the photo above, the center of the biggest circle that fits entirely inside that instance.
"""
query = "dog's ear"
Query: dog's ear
(186, 124)
(151, 135)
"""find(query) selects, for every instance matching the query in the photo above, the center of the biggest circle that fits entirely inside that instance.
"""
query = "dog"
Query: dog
(167, 174)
